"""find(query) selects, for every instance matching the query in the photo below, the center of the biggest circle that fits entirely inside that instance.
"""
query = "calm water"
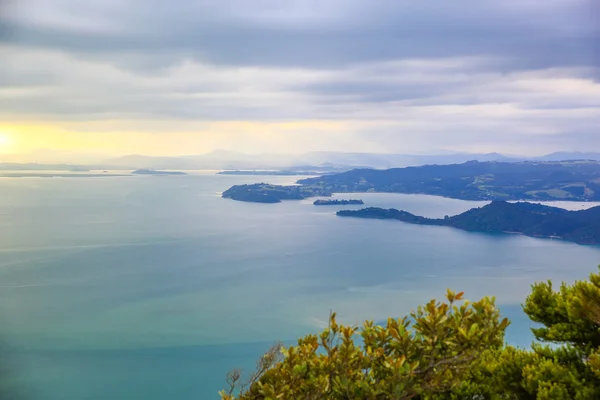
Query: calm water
(153, 287)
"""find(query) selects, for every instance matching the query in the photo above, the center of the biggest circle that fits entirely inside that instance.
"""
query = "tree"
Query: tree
(446, 352)
(570, 317)
(410, 358)
(565, 365)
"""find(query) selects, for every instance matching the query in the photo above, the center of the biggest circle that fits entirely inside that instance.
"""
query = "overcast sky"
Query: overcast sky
(189, 76)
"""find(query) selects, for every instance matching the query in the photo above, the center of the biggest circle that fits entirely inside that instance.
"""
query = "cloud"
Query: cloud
(392, 75)
(310, 32)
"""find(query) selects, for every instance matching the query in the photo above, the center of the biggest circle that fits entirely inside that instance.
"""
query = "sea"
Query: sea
(154, 287)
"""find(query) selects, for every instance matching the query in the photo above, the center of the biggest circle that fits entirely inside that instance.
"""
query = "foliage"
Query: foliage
(446, 352)
(569, 368)
(570, 317)
(430, 352)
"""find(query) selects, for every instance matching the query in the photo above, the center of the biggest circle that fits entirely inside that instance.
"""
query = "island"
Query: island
(337, 202)
(524, 218)
(154, 172)
(266, 193)
(563, 180)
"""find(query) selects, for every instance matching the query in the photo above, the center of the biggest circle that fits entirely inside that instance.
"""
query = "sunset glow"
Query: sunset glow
(118, 90)
(6, 142)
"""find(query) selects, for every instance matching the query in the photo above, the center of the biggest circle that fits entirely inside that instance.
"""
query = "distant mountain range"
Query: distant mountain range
(325, 161)
(335, 160)
(569, 156)
(231, 160)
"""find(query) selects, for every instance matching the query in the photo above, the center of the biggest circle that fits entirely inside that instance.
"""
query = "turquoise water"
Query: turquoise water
(154, 287)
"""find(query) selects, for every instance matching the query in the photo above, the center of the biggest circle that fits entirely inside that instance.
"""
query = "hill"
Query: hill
(565, 180)
(529, 219)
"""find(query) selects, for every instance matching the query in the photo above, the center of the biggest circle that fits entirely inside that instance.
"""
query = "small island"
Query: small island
(535, 220)
(337, 202)
(266, 193)
(154, 172)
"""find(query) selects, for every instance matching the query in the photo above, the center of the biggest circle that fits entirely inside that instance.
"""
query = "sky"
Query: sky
(395, 76)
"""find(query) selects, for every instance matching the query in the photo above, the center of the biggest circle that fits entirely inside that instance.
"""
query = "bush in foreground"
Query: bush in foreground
(430, 352)
(443, 351)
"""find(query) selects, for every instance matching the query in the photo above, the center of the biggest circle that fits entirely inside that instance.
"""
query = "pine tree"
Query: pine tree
(445, 352)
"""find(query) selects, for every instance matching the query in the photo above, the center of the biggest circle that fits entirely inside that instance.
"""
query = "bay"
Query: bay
(149, 287)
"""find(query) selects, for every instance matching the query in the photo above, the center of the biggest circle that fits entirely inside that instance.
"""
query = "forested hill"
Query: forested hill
(565, 180)
(499, 216)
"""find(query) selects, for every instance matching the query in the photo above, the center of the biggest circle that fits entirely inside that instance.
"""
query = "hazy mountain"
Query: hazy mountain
(137, 161)
(399, 160)
(231, 160)
(570, 156)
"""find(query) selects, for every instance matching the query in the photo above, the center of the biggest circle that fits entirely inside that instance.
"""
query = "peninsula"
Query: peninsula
(561, 180)
(529, 219)
(564, 180)
(337, 202)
